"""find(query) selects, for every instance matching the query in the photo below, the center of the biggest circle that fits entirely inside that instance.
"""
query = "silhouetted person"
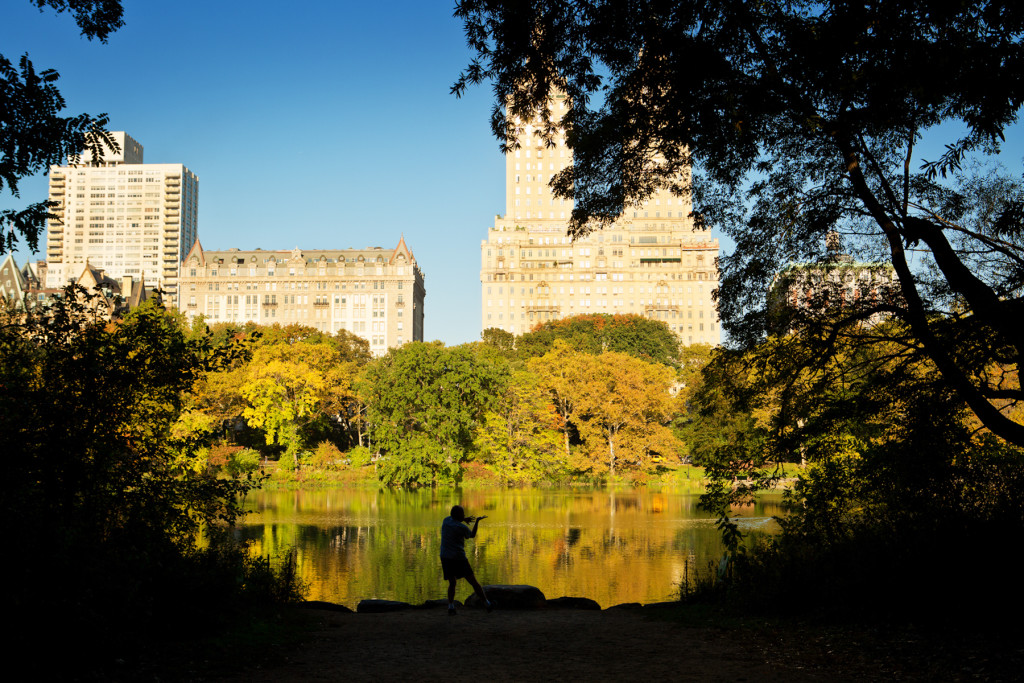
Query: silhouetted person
(454, 562)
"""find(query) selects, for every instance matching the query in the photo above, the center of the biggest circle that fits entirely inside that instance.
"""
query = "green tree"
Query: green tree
(650, 340)
(693, 358)
(802, 119)
(33, 135)
(498, 338)
(424, 404)
(352, 348)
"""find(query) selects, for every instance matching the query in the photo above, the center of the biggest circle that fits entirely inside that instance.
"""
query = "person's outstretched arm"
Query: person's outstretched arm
(476, 521)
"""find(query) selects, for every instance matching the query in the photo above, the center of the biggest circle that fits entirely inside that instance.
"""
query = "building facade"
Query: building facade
(375, 293)
(651, 262)
(838, 284)
(103, 296)
(122, 215)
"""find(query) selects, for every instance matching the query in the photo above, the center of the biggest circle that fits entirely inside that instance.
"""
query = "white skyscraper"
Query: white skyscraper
(121, 215)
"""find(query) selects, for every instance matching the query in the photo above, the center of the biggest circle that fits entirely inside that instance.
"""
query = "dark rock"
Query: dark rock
(329, 606)
(440, 602)
(510, 597)
(573, 603)
(378, 606)
(671, 604)
(627, 605)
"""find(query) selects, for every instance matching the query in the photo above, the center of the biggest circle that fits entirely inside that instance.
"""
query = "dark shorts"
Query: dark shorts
(455, 568)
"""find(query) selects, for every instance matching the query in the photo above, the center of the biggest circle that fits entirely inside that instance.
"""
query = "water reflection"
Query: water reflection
(611, 546)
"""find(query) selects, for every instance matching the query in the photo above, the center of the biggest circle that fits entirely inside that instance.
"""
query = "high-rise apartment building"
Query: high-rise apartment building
(650, 262)
(122, 215)
(374, 293)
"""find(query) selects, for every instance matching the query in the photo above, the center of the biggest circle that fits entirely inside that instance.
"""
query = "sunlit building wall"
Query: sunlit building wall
(651, 262)
(122, 215)
(375, 293)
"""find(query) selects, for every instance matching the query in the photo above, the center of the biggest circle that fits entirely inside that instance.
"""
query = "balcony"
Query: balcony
(270, 304)
(651, 308)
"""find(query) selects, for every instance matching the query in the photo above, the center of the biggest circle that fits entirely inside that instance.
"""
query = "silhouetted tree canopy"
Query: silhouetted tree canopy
(798, 119)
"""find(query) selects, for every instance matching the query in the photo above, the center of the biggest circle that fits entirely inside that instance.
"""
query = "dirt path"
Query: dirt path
(549, 645)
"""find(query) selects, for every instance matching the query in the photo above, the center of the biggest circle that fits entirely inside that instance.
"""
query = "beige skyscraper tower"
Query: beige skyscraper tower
(122, 215)
(650, 262)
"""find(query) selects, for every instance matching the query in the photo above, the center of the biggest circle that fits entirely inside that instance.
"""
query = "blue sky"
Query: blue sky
(320, 124)
(315, 124)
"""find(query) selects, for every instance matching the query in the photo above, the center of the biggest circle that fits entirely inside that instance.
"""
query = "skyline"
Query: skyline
(331, 128)
(328, 129)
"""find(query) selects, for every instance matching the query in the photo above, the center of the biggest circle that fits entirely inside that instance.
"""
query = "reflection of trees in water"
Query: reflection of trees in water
(355, 544)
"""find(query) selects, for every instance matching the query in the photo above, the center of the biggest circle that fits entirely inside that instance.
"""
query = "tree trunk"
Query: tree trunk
(611, 453)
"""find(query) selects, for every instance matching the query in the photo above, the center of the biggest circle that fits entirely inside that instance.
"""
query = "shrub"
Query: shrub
(327, 456)
(243, 461)
(220, 455)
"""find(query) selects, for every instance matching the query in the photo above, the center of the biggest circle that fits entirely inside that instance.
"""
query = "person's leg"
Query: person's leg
(478, 588)
(451, 596)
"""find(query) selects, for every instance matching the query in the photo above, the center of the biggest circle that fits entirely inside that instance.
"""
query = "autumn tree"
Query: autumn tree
(693, 358)
(798, 120)
(622, 407)
(288, 386)
(519, 436)
(424, 404)
(560, 371)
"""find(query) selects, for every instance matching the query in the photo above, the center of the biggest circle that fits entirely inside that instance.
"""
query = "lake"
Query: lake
(613, 546)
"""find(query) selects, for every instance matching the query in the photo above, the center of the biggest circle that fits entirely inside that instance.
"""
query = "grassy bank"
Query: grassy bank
(476, 476)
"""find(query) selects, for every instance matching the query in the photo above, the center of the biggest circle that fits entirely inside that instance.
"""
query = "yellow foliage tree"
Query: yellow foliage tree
(289, 385)
(520, 436)
(622, 407)
(561, 370)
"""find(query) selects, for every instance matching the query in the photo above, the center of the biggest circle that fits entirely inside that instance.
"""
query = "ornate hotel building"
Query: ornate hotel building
(375, 293)
(650, 262)
(122, 215)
